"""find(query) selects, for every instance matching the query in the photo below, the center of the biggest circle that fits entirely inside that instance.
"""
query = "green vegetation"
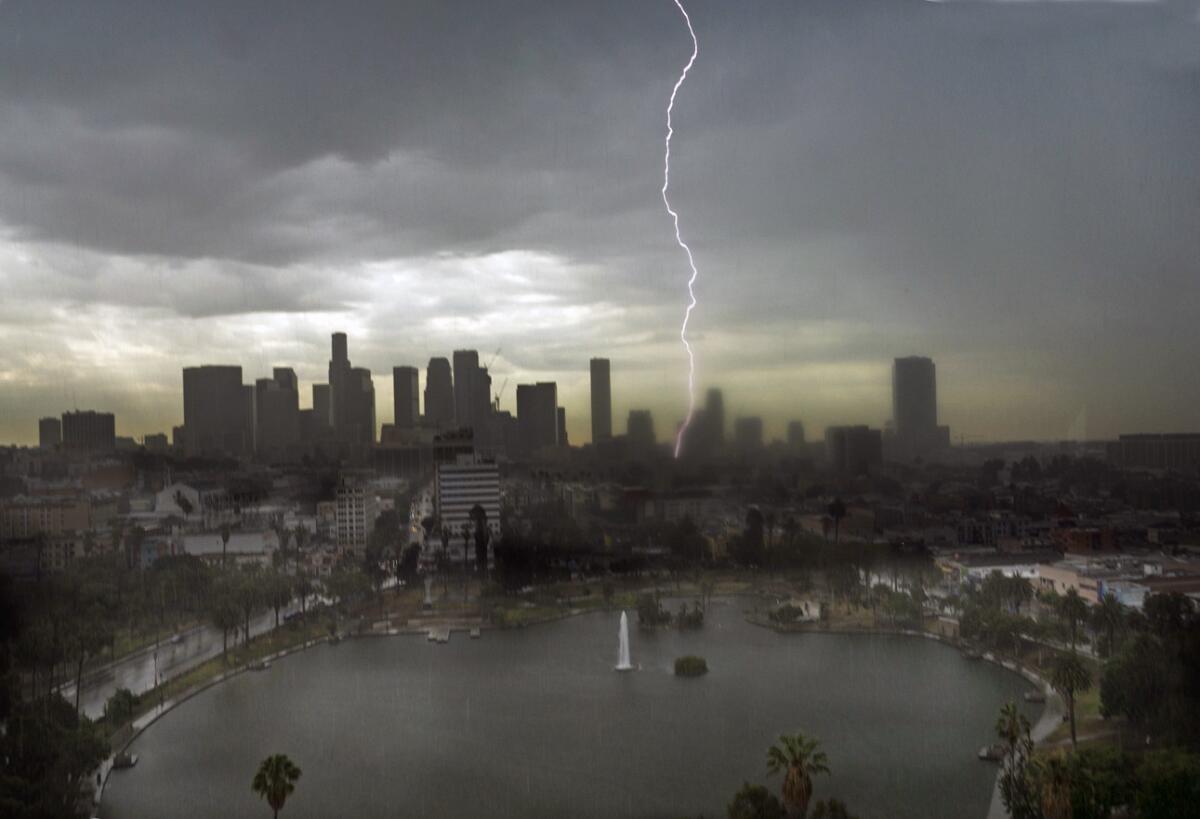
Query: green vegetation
(1092, 783)
(276, 780)
(1070, 676)
(1153, 677)
(690, 666)
(651, 612)
(799, 759)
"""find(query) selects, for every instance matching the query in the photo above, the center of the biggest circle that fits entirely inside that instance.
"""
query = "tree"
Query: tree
(755, 802)
(276, 780)
(225, 533)
(483, 536)
(1070, 676)
(832, 809)
(465, 531)
(48, 753)
(119, 708)
(1073, 610)
(222, 610)
(837, 511)
(799, 758)
(279, 589)
(247, 596)
(1055, 778)
(1016, 785)
(1108, 617)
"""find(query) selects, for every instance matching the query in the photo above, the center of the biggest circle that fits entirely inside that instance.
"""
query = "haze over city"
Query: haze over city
(1009, 188)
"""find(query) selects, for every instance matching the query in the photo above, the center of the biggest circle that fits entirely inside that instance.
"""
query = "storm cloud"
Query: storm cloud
(1010, 187)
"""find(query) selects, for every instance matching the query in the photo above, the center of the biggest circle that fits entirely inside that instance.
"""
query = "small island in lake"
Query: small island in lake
(690, 666)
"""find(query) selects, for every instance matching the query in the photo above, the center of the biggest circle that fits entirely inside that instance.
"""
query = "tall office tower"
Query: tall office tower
(322, 410)
(537, 415)
(601, 399)
(914, 407)
(339, 376)
(358, 408)
(714, 419)
(89, 431)
(277, 413)
(639, 429)
(466, 389)
(561, 423)
(481, 406)
(853, 449)
(795, 434)
(439, 394)
(216, 411)
(914, 395)
(406, 407)
(748, 434)
(49, 433)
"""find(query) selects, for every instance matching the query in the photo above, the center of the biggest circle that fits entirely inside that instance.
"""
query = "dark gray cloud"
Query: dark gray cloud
(1011, 187)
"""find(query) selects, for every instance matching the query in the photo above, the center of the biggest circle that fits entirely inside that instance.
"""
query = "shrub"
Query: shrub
(690, 666)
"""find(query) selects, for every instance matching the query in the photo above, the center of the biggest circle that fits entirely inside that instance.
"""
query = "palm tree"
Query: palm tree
(275, 780)
(799, 759)
(837, 511)
(1073, 609)
(465, 531)
(1011, 726)
(1108, 616)
(1070, 676)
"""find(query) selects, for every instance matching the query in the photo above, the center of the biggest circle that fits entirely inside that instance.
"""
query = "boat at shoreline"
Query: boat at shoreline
(124, 760)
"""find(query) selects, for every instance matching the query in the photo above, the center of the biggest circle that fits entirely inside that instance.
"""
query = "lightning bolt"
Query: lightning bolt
(687, 315)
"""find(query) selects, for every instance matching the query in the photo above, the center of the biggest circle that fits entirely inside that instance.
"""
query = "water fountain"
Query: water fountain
(623, 663)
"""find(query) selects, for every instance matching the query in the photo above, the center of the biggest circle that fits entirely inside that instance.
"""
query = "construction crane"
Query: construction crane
(495, 355)
(500, 392)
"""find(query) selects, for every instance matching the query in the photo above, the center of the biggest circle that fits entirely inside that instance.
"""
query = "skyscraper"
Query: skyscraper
(49, 433)
(439, 394)
(639, 429)
(339, 374)
(853, 449)
(714, 418)
(914, 395)
(914, 407)
(466, 369)
(748, 434)
(405, 397)
(277, 413)
(89, 431)
(322, 408)
(359, 407)
(537, 415)
(601, 399)
(216, 411)
(795, 434)
(351, 396)
(561, 423)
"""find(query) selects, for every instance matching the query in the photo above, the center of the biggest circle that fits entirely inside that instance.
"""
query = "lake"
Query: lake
(535, 723)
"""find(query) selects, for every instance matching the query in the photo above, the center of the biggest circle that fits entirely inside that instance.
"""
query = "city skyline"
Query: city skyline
(772, 429)
(872, 180)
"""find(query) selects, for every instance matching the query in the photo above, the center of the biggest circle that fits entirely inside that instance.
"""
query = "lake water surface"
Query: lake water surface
(534, 723)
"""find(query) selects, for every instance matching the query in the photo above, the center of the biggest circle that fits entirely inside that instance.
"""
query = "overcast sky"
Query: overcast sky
(1012, 188)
